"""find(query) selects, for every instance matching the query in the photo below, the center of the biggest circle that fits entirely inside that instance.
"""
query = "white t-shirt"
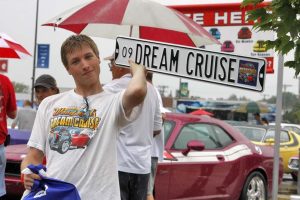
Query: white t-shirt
(25, 118)
(158, 142)
(135, 140)
(80, 143)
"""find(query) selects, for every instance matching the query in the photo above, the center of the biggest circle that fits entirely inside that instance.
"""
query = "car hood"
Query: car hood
(16, 152)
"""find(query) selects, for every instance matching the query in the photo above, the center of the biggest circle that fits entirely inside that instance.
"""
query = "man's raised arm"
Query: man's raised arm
(136, 89)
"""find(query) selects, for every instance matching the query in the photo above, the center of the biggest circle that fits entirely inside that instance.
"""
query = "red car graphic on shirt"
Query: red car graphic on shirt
(63, 139)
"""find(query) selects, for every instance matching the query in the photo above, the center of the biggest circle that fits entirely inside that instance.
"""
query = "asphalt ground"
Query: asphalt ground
(287, 188)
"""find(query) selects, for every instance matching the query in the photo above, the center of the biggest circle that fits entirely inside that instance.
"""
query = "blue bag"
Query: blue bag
(50, 189)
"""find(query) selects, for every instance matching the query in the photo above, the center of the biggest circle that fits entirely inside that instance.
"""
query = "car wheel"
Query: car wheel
(63, 146)
(294, 176)
(255, 187)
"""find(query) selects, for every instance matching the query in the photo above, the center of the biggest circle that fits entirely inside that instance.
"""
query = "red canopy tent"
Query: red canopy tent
(201, 112)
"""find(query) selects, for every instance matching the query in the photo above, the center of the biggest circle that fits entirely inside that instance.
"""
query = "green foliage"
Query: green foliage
(20, 87)
(284, 20)
(291, 106)
(271, 100)
(233, 97)
(294, 115)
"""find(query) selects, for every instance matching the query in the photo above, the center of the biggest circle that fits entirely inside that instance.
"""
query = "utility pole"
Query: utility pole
(264, 96)
(284, 96)
(298, 87)
(179, 90)
(162, 89)
(34, 52)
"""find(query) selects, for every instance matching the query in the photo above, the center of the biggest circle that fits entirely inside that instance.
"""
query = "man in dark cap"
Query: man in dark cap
(45, 85)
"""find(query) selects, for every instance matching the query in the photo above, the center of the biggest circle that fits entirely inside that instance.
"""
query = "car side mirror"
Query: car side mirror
(193, 145)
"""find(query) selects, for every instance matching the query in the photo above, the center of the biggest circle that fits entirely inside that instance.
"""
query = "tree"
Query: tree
(271, 100)
(294, 115)
(20, 87)
(284, 20)
(233, 97)
(289, 100)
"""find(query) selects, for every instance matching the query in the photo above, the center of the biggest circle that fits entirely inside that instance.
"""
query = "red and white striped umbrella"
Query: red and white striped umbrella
(10, 48)
(143, 19)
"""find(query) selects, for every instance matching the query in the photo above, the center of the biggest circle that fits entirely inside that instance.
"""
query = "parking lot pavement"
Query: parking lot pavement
(287, 188)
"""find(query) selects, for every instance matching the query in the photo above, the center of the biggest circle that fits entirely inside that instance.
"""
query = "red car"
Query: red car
(227, 46)
(206, 158)
(244, 33)
(61, 140)
(14, 156)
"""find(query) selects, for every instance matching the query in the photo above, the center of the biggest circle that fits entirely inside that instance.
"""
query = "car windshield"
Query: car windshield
(260, 43)
(292, 128)
(168, 127)
(255, 134)
(227, 44)
(284, 136)
(212, 136)
(213, 31)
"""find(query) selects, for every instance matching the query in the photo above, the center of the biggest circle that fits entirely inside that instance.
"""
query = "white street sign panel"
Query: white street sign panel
(193, 63)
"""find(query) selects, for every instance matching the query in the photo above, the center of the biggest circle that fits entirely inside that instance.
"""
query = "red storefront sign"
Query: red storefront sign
(228, 23)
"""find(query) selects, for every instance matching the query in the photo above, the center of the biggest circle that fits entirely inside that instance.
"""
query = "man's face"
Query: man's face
(42, 92)
(84, 66)
(117, 72)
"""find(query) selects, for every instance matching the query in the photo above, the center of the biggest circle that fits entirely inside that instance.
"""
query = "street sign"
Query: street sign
(43, 56)
(193, 63)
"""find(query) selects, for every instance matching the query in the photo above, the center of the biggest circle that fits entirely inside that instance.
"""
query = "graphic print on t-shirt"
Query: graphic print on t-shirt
(72, 128)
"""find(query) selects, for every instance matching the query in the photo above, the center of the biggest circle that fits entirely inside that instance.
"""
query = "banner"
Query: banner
(228, 23)
(43, 56)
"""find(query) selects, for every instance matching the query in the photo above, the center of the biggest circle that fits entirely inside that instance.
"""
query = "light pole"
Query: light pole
(284, 96)
(34, 51)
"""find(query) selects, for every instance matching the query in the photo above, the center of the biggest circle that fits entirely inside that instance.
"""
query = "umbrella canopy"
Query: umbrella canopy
(252, 107)
(143, 19)
(201, 112)
(10, 48)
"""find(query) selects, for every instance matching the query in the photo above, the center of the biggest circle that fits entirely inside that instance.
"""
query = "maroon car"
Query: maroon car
(227, 46)
(244, 33)
(14, 156)
(206, 158)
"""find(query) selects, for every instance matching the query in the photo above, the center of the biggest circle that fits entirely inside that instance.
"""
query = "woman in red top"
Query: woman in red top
(8, 107)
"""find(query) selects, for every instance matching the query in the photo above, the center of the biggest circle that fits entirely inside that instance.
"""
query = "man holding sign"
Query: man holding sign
(88, 113)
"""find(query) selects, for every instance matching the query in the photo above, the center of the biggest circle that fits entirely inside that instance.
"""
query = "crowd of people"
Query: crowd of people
(123, 118)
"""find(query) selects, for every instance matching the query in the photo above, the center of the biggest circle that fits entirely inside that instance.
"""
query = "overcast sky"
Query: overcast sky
(18, 17)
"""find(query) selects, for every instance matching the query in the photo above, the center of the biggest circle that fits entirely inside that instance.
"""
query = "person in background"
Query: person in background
(25, 117)
(88, 108)
(44, 86)
(8, 108)
(264, 121)
(135, 140)
(157, 146)
(258, 119)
